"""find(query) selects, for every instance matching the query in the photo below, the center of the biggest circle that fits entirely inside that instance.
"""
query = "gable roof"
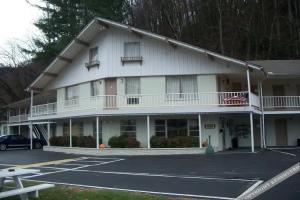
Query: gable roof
(99, 24)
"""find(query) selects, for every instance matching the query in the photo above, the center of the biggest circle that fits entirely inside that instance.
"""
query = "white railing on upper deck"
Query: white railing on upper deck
(44, 109)
(281, 102)
(145, 100)
(18, 118)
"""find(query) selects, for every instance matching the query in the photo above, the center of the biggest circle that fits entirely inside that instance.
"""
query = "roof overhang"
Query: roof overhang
(97, 25)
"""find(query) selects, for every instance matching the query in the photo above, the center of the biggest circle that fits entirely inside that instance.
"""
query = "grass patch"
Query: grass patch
(77, 193)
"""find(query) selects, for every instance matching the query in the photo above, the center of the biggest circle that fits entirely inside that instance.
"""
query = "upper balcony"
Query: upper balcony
(281, 103)
(104, 103)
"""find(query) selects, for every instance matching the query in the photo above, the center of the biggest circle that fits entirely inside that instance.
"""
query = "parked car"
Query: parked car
(16, 141)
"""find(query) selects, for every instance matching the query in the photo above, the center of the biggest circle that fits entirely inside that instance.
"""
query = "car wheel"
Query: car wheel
(37, 145)
(2, 147)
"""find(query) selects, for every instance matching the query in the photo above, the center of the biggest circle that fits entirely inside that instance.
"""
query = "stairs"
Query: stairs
(40, 132)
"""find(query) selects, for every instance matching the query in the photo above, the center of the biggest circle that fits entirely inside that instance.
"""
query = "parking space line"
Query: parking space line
(56, 162)
(137, 191)
(167, 175)
(76, 168)
(290, 154)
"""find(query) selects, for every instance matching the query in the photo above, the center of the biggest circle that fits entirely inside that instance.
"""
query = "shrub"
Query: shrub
(60, 141)
(123, 142)
(82, 141)
(175, 142)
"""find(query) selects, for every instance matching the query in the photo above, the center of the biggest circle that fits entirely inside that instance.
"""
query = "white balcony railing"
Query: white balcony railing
(281, 102)
(144, 100)
(18, 118)
(44, 109)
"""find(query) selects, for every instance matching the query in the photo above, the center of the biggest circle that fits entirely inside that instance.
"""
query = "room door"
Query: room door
(278, 90)
(111, 93)
(281, 132)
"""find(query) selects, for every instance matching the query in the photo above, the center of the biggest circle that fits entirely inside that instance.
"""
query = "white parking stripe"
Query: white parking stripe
(139, 191)
(290, 154)
(167, 175)
(76, 168)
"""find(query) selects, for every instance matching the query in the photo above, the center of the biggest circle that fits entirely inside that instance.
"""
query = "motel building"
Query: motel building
(156, 93)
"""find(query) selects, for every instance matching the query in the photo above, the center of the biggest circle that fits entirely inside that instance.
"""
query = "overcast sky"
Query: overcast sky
(16, 19)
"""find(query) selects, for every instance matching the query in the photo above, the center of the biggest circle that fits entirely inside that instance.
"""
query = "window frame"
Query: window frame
(128, 133)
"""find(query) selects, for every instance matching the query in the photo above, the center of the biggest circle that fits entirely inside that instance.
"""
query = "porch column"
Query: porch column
(249, 86)
(261, 132)
(30, 134)
(252, 132)
(262, 115)
(200, 132)
(70, 122)
(48, 133)
(31, 102)
(148, 132)
(97, 132)
(19, 121)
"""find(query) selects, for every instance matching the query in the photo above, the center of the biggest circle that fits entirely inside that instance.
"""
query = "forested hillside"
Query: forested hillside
(245, 29)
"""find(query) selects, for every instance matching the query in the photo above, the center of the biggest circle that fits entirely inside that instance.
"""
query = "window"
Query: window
(132, 49)
(133, 89)
(77, 129)
(132, 53)
(133, 85)
(128, 128)
(179, 86)
(93, 59)
(93, 54)
(72, 92)
(160, 128)
(177, 127)
(95, 88)
(193, 127)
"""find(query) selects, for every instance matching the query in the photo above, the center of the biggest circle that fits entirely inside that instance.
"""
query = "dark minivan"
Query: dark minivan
(16, 141)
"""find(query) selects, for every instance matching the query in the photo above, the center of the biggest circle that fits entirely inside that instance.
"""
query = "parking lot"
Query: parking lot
(225, 175)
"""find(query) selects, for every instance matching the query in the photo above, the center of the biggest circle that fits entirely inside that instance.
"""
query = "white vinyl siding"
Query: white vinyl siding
(132, 49)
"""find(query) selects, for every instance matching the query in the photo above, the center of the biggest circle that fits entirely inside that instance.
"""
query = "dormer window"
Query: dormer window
(93, 59)
(132, 52)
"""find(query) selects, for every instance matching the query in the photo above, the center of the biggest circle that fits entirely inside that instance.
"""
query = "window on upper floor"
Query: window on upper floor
(181, 86)
(132, 90)
(95, 88)
(132, 52)
(93, 58)
(72, 95)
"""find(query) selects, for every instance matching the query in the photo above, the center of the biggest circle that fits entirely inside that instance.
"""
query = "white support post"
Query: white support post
(262, 115)
(31, 134)
(48, 134)
(70, 121)
(200, 132)
(264, 131)
(148, 132)
(30, 125)
(261, 132)
(97, 132)
(252, 132)
(31, 102)
(249, 87)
